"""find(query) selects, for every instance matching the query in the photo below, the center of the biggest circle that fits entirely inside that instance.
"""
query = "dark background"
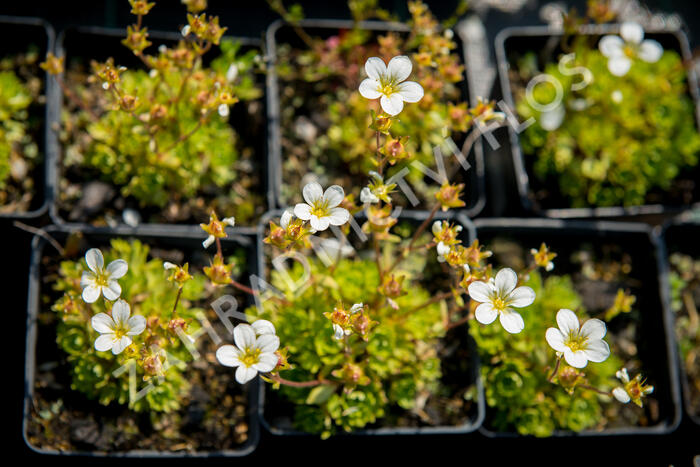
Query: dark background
(250, 18)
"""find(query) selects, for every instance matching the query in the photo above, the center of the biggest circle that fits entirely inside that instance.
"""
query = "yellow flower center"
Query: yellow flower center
(320, 208)
(575, 341)
(101, 279)
(388, 86)
(629, 51)
(250, 357)
(499, 304)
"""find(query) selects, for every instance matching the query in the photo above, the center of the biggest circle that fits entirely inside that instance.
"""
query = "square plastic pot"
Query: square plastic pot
(535, 38)
(280, 32)
(654, 332)
(186, 239)
(17, 34)
(98, 43)
(281, 424)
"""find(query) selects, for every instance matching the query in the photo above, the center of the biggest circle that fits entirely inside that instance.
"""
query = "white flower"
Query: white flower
(251, 354)
(232, 73)
(550, 120)
(115, 330)
(579, 345)
(185, 31)
(101, 280)
(223, 110)
(621, 50)
(442, 251)
(631, 390)
(616, 96)
(497, 298)
(321, 208)
(366, 196)
(386, 83)
(339, 333)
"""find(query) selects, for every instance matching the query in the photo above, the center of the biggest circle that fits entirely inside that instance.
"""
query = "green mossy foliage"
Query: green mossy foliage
(149, 294)
(121, 148)
(515, 368)
(399, 357)
(613, 153)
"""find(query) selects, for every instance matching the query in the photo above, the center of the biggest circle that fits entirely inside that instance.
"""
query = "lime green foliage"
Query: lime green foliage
(173, 146)
(18, 149)
(612, 153)
(398, 360)
(149, 294)
(515, 368)
(685, 278)
(325, 120)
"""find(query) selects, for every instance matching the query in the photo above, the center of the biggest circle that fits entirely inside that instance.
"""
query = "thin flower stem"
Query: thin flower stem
(377, 258)
(243, 288)
(591, 388)
(460, 322)
(75, 100)
(41, 233)
(435, 299)
(186, 136)
(296, 384)
(556, 370)
(177, 300)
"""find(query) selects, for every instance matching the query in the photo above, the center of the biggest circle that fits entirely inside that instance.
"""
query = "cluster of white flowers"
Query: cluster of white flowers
(115, 330)
(254, 351)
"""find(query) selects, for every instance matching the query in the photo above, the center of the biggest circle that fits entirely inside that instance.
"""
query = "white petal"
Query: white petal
(339, 216)
(102, 323)
(611, 46)
(550, 120)
(597, 350)
(443, 250)
(593, 329)
(117, 268)
(136, 325)
(650, 51)
(369, 88)
(621, 395)
(302, 211)
(91, 293)
(366, 196)
(266, 362)
(619, 66)
(263, 326)
(632, 32)
(522, 296)
(567, 321)
(112, 291)
(120, 312)
(105, 342)
(87, 278)
(245, 374)
(480, 291)
(244, 336)
(356, 308)
(320, 223)
(555, 339)
(375, 67)
(334, 195)
(208, 241)
(506, 280)
(575, 359)
(411, 91)
(437, 227)
(399, 68)
(338, 332)
(286, 218)
(485, 314)
(119, 345)
(312, 192)
(392, 105)
(228, 355)
(512, 321)
(94, 259)
(168, 265)
(622, 375)
(267, 343)
(230, 221)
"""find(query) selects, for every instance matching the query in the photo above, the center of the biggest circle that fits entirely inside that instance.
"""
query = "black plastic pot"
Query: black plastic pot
(17, 34)
(281, 425)
(655, 336)
(281, 32)
(681, 236)
(186, 239)
(97, 43)
(535, 38)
